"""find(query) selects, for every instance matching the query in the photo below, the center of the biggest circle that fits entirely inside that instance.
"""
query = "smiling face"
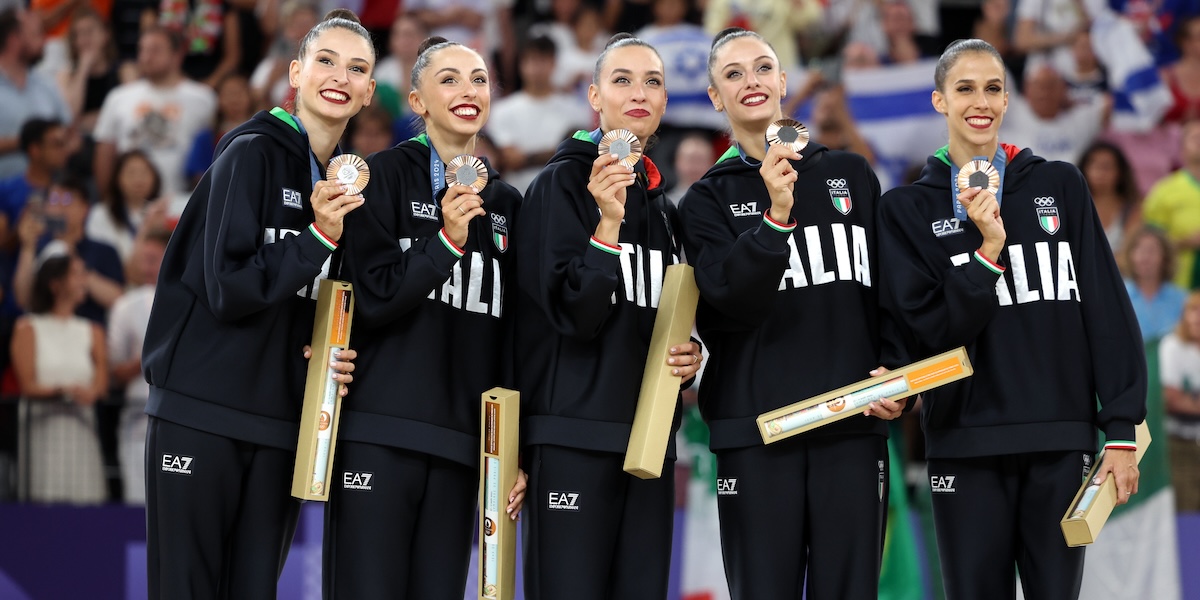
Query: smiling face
(747, 83)
(973, 99)
(333, 79)
(454, 94)
(631, 91)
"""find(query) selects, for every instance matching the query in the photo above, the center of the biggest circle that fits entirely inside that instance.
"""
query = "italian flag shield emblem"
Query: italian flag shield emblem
(500, 236)
(841, 200)
(1048, 219)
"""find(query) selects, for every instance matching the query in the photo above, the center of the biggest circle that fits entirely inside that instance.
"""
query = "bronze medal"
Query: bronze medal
(981, 174)
(624, 144)
(350, 171)
(788, 132)
(467, 170)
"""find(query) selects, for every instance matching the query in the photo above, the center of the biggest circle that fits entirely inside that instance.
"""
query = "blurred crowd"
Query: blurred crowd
(110, 111)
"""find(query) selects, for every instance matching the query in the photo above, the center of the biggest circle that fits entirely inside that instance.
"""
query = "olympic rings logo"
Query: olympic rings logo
(1044, 201)
(835, 183)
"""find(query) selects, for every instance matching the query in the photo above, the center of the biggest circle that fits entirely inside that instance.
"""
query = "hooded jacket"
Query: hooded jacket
(431, 323)
(1049, 329)
(236, 291)
(788, 311)
(586, 310)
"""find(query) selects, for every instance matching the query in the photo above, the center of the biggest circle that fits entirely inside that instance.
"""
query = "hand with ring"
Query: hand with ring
(685, 360)
(459, 206)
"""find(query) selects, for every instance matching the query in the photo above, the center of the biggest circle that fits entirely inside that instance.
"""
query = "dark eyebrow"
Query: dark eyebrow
(334, 52)
(733, 64)
(628, 72)
(451, 69)
(992, 80)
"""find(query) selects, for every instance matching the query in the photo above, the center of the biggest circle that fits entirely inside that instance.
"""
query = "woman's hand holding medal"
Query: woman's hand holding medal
(459, 206)
(984, 210)
(331, 204)
(780, 177)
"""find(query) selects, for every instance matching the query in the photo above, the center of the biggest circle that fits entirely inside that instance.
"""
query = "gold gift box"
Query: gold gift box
(499, 445)
(850, 400)
(1093, 504)
(322, 404)
(660, 389)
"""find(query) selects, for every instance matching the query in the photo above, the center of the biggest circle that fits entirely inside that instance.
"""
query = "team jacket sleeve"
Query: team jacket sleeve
(737, 273)
(570, 275)
(940, 305)
(1114, 340)
(390, 280)
(242, 275)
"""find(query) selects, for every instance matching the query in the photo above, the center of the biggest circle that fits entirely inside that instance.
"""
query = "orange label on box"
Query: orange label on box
(491, 434)
(339, 330)
(935, 372)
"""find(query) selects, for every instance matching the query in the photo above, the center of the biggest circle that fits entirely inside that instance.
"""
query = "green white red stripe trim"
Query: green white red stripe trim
(609, 248)
(451, 246)
(776, 225)
(1120, 445)
(321, 237)
(993, 267)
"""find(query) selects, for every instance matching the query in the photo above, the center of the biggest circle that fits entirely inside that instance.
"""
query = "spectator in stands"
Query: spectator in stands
(369, 131)
(575, 59)
(1114, 190)
(529, 124)
(59, 360)
(779, 21)
(1088, 80)
(45, 144)
(133, 190)
(992, 26)
(1045, 120)
(24, 93)
(1045, 31)
(159, 113)
(212, 38)
(1173, 204)
(92, 69)
(684, 49)
(1156, 22)
(393, 73)
(235, 105)
(834, 126)
(57, 226)
(127, 329)
(1148, 261)
(1183, 77)
(693, 157)
(904, 44)
(561, 30)
(458, 20)
(270, 79)
(1179, 372)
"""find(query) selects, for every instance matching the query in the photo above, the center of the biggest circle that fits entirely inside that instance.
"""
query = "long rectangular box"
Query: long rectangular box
(499, 447)
(850, 400)
(1093, 504)
(322, 405)
(660, 389)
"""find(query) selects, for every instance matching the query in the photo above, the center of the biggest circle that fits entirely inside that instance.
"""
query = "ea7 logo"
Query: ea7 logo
(562, 501)
(747, 209)
(421, 210)
(942, 484)
(945, 227)
(292, 199)
(726, 486)
(357, 480)
(177, 463)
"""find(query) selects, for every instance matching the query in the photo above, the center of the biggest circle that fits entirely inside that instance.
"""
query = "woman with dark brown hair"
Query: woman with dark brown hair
(1114, 190)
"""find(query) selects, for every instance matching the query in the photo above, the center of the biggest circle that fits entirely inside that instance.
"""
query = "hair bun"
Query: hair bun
(342, 13)
(724, 33)
(430, 42)
(618, 37)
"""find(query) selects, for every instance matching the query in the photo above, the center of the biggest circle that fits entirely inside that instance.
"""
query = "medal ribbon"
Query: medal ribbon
(437, 169)
(999, 162)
